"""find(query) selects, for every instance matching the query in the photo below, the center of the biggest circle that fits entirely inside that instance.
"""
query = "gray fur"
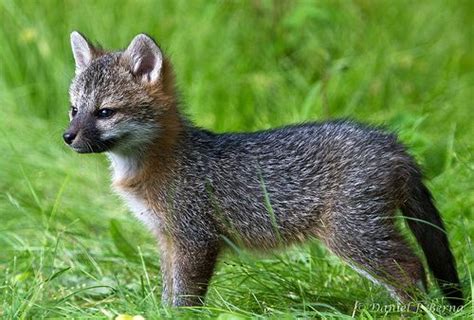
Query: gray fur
(338, 181)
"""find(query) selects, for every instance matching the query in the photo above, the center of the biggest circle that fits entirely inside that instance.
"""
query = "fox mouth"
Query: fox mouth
(94, 147)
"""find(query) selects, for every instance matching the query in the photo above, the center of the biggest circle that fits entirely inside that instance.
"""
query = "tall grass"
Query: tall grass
(68, 246)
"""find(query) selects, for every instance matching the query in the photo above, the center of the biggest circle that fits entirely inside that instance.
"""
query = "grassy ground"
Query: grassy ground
(68, 246)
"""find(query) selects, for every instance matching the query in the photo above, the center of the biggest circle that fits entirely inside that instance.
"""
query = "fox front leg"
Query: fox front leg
(192, 270)
(166, 267)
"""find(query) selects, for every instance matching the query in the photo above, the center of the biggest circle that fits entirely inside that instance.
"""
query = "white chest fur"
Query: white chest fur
(139, 207)
(125, 167)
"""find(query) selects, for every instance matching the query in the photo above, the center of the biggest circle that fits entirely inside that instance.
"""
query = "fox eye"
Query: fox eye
(105, 113)
(73, 111)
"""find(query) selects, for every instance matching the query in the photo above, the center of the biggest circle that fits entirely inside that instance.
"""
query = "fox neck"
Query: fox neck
(151, 162)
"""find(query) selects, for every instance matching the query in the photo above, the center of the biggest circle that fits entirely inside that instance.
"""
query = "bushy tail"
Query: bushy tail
(426, 224)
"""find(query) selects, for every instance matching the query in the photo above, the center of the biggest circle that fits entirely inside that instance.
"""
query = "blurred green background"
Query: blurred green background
(69, 248)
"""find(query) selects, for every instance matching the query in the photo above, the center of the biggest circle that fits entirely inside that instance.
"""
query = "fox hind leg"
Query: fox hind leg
(379, 252)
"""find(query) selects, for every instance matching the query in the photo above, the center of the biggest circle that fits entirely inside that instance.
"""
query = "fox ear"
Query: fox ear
(144, 58)
(82, 50)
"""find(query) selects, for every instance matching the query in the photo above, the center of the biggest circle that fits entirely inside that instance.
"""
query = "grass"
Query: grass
(69, 247)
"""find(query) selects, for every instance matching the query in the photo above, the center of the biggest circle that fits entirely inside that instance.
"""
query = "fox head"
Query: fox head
(119, 100)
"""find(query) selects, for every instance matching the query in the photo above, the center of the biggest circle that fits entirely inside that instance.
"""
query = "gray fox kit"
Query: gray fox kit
(338, 181)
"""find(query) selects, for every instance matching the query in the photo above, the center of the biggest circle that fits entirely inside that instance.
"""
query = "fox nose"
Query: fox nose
(69, 137)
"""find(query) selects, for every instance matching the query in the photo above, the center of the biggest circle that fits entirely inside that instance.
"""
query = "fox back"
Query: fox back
(277, 187)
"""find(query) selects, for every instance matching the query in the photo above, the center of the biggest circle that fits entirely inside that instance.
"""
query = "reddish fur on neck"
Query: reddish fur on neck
(159, 159)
